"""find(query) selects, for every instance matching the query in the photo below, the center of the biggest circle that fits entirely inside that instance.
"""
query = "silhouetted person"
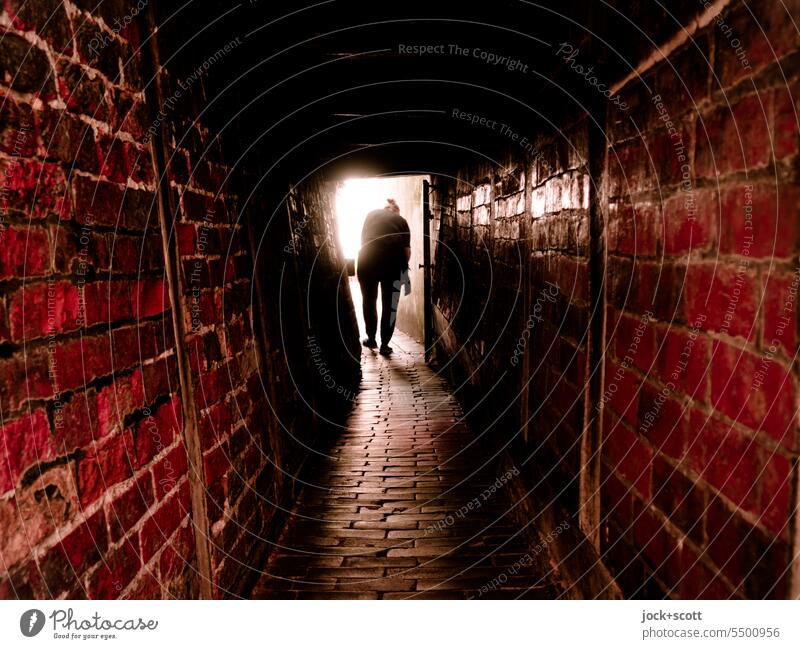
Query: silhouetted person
(383, 260)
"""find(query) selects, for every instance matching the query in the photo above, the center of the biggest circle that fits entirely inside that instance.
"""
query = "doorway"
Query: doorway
(355, 198)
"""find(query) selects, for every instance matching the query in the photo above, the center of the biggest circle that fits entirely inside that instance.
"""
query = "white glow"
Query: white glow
(356, 198)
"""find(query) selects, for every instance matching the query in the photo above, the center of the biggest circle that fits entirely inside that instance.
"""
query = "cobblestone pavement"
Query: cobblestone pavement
(406, 506)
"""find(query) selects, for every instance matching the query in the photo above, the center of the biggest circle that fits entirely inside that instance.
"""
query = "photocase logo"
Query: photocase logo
(31, 622)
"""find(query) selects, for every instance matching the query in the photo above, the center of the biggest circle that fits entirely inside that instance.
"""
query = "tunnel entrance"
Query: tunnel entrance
(355, 198)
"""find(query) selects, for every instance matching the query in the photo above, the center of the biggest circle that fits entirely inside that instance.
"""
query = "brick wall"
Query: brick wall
(120, 449)
(511, 294)
(559, 301)
(699, 425)
(694, 409)
(92, 469)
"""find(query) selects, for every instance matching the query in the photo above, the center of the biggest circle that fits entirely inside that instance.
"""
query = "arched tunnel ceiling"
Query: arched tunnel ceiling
(342, 84)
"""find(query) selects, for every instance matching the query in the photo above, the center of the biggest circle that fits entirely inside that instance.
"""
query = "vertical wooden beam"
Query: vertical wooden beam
(591, 439)
(427, 306)
(525, 234)
(151, 65)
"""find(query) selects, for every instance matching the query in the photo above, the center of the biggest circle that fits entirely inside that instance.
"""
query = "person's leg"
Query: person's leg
(369, 303)
(390, 297)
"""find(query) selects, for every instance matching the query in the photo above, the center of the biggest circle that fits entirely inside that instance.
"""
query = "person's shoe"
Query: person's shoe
(369, 342)
(385, 350)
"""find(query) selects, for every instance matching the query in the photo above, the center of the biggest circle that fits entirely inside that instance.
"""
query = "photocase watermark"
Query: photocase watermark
(168, 481)
(196, 276)
(474, 504)
(101, 40)
(453, 49)
(569, 54)
(627, 360)
(66, 626)
(505, 130)
(31, 622)
(184, 85)
(689, 203)
(83, 267)
(744, 261)
(325, 373)
(787, 313)
(785, 320)
(525, 560)
(297, 232)
(733, 41)
(547, 294)
(53, 311)
(650, 417)
(10, 165)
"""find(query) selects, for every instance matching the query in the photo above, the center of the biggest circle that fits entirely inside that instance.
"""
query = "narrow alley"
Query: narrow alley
(407, 505)
(594, 208)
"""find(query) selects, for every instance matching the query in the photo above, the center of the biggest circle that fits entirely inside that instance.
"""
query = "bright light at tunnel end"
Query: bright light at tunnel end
(355, 198)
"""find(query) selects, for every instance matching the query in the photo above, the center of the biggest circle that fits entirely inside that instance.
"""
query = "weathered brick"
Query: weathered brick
(760, 220)
(662, 421)
(780, 315)
(78, 251)
(698, 580)
(158, 430)
(684, 358)
(178, 554)
(67, 139)
(216, 464)
(753, 390)
(98, 49)
(80, 360)
(679, 498)
(25, 252)
(733, 137)
(109, 204)
(129, 507)
(106, 302)
(25, 67)
(749, 558)
(72, 555)
(104, 466)
(633, 230)
(722, 298)
(628, 456)
(82, 90)
(117, 401)
(784, 125)
(47, 17)
(26, 442)
(35, 189)
(150, 297)
(622, 391)
(168, 472)
(80, 425)
(17, 128)
(165, 520)
(117, 571)
(756, 47)
(690, 223)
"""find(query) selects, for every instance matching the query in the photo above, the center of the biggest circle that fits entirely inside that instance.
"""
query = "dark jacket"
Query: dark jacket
(383, 238)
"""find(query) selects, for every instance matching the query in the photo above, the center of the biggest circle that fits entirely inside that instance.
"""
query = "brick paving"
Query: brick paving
(388, 514)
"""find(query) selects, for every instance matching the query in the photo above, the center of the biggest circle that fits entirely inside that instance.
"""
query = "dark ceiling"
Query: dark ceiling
(334, 85)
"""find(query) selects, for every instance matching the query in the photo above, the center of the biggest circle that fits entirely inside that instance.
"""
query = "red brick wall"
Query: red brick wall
(699, 203)
(699, 428)
(96, 467)
(92, 468)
